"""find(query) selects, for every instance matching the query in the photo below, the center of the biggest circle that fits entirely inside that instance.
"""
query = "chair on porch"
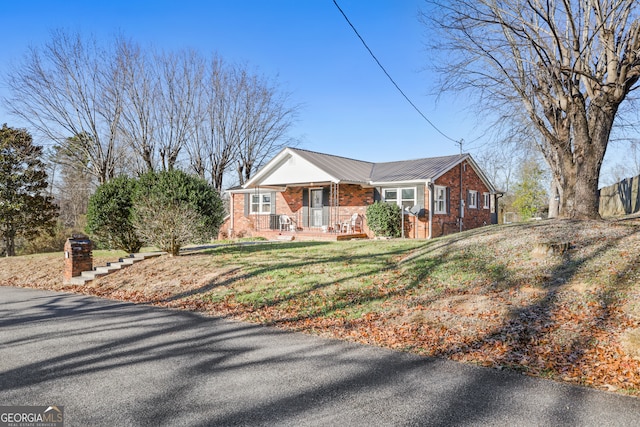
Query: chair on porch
(353, 225)
(287, 224)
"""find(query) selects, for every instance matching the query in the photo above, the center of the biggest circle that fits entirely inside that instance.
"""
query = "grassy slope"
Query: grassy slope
(482, 296)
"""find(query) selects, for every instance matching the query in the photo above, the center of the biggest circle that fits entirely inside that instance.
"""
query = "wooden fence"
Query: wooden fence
(620, 199)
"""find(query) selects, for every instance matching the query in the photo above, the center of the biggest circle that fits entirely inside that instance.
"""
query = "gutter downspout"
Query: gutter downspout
(430, 186)
(461, 207)
(232, 202)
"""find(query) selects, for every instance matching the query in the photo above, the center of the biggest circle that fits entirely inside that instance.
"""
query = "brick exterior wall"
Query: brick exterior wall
(355, 199)
(447, 223)
(351, 199)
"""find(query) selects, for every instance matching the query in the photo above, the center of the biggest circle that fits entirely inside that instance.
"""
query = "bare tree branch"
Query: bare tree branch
(128, 109)
(565, 65)
(69, 87)
(265, 120)
(180, 77)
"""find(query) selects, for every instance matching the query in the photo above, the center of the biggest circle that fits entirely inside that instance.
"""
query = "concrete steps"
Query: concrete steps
(88, 276)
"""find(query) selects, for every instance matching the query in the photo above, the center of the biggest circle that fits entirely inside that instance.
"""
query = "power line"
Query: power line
(391, 78)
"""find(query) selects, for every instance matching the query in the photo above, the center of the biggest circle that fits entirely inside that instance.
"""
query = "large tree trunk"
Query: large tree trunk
(590, 130)
(580, 192)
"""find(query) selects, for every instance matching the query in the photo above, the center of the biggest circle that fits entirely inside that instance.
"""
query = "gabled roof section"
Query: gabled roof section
(294, 166)
(430, 169)
(482, 175)
(414, 170)
(342, 168)
(297, 166)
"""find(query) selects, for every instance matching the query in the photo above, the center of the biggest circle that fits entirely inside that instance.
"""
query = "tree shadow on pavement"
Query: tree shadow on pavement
(113, 363)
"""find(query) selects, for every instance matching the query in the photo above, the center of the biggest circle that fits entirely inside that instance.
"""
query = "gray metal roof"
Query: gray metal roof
(352, 170)
(411, 170)
(342, 168)
(347, 170)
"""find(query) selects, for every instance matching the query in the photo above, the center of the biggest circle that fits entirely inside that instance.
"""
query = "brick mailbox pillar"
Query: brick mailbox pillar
(78, 256)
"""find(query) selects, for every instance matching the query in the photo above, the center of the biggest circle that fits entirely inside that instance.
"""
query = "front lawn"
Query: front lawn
(484, 296)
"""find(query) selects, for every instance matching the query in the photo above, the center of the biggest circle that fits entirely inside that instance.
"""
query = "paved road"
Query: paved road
(117, 364)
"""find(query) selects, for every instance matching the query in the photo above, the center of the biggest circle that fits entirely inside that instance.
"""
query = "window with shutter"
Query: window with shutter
(473, 199)
(486, 200)
(260, 203)
(440, 202)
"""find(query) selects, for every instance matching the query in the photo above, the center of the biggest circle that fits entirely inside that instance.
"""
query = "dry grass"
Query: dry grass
(44, 271)
(485, 296)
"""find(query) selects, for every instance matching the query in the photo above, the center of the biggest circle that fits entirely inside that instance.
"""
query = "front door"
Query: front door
(316, 207)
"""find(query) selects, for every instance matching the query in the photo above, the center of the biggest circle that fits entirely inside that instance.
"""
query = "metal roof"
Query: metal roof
(341, 168)
(412, 170)
(351, 170)
(348, 170)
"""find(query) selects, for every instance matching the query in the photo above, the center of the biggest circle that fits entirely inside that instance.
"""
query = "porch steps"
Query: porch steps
(286, 238)
(87, 276)
(352, 236)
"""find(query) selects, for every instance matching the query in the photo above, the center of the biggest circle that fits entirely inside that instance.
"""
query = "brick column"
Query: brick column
(78, 256)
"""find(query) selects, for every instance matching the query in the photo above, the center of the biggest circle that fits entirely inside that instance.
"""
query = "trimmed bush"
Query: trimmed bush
(384, 219)
(173, 208)
(110, 215)
(163, 209)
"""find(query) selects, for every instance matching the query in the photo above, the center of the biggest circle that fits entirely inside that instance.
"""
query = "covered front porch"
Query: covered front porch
(303, 195)
(295, 226)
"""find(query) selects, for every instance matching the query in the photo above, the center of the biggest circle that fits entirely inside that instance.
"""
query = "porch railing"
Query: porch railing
(272, 222)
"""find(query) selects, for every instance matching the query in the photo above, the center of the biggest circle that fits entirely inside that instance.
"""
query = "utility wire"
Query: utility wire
(391, 78)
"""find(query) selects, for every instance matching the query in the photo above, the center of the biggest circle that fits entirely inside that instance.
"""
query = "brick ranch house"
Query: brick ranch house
(301, 193)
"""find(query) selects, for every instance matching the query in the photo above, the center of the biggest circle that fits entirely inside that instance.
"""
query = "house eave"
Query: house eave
(396, 183)
(274, 164)
(475, 167)
(283, 186)
(362, 184)
(254, 189)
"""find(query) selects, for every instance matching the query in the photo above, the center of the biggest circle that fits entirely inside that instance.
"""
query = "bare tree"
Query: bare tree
(566, 66)
(163, 94)
(167, 226)
(219, 132)
(180, 77)
(70, 87)
(245, 119)
(214, 145)
(502, 160)
(73, 186)
(138, 122)
(265, 118)
(132, 110)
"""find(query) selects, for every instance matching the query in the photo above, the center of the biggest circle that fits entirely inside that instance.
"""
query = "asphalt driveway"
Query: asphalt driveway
(111, 363)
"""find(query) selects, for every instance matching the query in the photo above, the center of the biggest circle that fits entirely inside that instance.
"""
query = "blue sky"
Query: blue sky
(349, 106)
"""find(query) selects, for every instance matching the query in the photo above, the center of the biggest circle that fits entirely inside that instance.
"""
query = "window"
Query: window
(440, 199)
(390, 196)
(316, 198)
(487, 200)
(261, 203)
(473, 199)
(403, 197)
